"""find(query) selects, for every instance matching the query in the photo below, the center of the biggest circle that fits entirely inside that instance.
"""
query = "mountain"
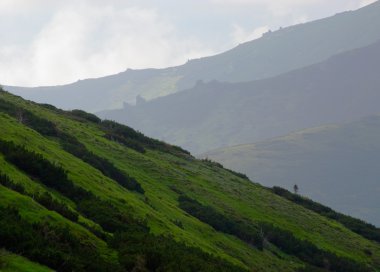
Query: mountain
(81, 194)
(336, 164)
(275, 53)
(213, 115)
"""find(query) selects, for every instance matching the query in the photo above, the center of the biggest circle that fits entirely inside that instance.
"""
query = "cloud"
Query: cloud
(365, 3)
(48, 42)
(241, 35)
(84, 41)
(288, 7)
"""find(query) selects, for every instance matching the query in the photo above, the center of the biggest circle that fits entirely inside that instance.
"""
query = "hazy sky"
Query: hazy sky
(49, 42)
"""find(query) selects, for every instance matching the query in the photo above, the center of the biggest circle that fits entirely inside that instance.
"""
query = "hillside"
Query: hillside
(214, 115)
(82, 194)
(336, 165)
(275, 53)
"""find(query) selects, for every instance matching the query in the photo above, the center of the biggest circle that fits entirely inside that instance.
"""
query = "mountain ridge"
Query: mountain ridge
(275, 53)
(342, 88)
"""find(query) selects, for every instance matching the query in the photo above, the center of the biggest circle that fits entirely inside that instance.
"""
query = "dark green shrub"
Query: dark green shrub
(141, 250)
(242, 230)
(76, 148)
(82, 115)
(50, 245)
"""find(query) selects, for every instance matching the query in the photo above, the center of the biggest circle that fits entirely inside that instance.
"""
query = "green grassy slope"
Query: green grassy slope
(14, 263)
(164, 173)
(336, 164)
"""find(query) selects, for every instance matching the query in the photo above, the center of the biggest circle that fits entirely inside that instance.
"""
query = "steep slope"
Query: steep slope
(80, 194)
(14, 263)
(216, 114)
(336, 165)
(275, 53)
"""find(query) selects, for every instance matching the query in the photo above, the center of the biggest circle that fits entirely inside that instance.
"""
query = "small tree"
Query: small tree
(295, 188)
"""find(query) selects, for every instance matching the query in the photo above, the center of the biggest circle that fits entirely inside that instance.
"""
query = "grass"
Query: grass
(14, 263)
(162, 176)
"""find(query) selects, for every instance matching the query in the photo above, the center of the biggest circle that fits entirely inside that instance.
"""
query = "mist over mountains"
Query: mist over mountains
(216, 114)
(275, 53)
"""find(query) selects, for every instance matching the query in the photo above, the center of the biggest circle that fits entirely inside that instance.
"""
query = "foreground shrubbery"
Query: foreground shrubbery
(138, 248)
(45, 199)
(142, 251)
(54, 246)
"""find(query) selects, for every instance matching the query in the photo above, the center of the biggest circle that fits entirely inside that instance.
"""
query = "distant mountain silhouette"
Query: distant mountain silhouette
(275, 53)
(337, 165)
(213, 115)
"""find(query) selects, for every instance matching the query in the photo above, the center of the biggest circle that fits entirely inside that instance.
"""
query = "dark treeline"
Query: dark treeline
(76, 148)
(126, 135)
(45, 199)
(82, 115)
(217, 164)
(129, 137)
(142, 251)
(54, 246)
(246, 232)
(264, 232)
(308, 252)
(366, 230)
